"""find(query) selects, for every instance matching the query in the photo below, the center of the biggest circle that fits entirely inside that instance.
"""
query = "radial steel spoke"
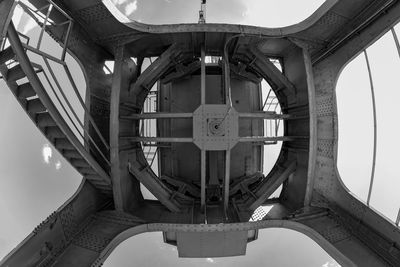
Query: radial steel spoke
(157, 115)
(227, 179)
(203, 76)
(203, 178)
(268, 115)
(268, 139)
(159, 139)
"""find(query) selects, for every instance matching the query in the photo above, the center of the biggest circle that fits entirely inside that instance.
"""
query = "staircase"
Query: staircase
(38, 105)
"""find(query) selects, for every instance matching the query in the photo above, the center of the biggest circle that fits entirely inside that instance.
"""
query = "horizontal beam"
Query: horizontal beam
(190, 140)
(268, 139)
(157, 115)
(158, 139)
(267, 115)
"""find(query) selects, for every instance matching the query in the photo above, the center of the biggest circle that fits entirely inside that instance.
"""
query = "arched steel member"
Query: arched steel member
(314, 54)
(371, 83)
(221, 228)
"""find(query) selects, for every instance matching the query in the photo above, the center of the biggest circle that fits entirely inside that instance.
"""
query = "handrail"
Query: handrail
(46, 57)
(85, 107)
(396, 40)
(61, 61)
(72, 110)
(47, 102)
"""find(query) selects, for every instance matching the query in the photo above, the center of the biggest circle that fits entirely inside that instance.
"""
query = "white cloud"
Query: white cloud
(119, 2)
(210, 260)
(47, 153)
(130, 8)
(58, 165)
(331, 263)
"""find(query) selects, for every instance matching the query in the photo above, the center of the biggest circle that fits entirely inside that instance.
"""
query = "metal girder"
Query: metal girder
(156, 187)
(241, 72)
(153, 72)
(157, 115)
(371, 236)
(358, 23)
(354, 239)
(269, 186)
(267, 115)
(182, 71)
(242, 183)
(203, 179)
(267, 139)
(70, 236)
(262, 65)
(182, 184)
(125, 190)
(379, 237)
(227, 179)
(158, 139)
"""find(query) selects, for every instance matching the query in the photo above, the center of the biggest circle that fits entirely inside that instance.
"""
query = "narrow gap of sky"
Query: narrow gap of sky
(263, 13)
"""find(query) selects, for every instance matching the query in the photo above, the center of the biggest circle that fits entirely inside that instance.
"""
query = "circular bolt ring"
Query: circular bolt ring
(216, 127)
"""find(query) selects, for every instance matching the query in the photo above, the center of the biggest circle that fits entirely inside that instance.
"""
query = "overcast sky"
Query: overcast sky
(36, 180)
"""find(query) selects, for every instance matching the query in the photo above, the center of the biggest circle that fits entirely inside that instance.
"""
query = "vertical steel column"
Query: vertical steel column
(375, 127)
(227, 180)
(65, 45)
(227, 82)
(203, 75)
(203, 179)
(44, 26)
(203, 151)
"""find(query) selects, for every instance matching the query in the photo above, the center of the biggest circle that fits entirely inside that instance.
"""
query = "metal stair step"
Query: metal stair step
(72, 154)
(100, 183)
(93, 177)
(34, 106)
(106, 192)
(54, 132)
(80, 163)
(63, 143)
(85, 171)
(25, 90)
(6, 55)
(15, 73)
(102, 187)
(44, 120)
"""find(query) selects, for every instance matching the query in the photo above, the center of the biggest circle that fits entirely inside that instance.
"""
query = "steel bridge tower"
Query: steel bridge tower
(198, 107)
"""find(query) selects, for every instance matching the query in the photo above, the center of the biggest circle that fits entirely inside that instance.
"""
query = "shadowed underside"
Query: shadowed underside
(210, 133)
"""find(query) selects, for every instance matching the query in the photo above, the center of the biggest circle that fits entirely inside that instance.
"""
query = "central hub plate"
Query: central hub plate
(215, 127)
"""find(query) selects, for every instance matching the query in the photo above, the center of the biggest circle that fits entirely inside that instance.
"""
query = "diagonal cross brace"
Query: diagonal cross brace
(270, 72)
(156, 187)
(153, 72)
(270, 185)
